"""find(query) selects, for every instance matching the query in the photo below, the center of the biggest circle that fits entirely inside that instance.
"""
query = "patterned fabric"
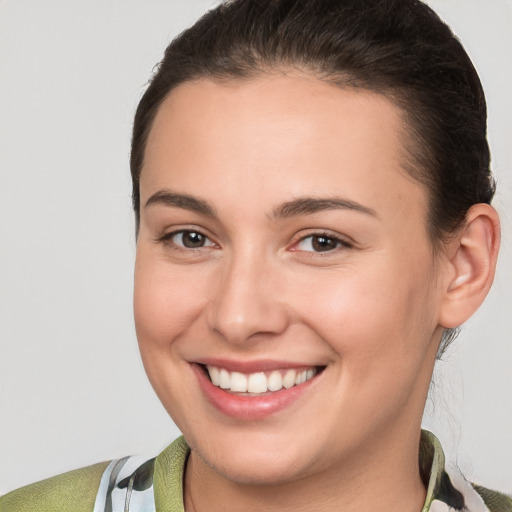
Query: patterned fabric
(74, 491)
(127, 485)
(134, 484)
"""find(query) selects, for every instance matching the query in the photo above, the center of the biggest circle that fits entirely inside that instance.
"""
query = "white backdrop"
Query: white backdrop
(72, 388)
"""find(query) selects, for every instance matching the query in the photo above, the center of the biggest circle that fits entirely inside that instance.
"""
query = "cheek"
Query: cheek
(379, 328)
(385, 312)
(166, 302)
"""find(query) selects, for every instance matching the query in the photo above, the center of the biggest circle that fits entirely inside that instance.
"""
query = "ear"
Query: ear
(470, 265)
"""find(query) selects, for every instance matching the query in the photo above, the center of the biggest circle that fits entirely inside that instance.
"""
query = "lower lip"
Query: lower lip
(249, 408)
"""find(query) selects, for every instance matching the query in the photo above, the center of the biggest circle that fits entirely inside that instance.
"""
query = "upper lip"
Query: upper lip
(261, 365)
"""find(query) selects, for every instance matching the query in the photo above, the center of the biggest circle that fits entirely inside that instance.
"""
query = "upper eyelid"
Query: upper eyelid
(339, 241)
(167, 241)
(326, 233)
(297, 238)
(169, 234)
(166, 237)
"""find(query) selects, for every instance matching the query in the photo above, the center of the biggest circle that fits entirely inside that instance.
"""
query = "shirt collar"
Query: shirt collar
(446, 490)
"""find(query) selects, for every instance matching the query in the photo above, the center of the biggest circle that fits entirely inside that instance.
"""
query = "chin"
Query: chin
(252, 458)
(255, 470)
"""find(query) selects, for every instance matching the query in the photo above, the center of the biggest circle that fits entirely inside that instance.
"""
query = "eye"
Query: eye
(189, 239)
(320, 243)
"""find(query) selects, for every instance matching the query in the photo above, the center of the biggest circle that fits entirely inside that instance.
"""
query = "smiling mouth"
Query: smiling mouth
(259, 383)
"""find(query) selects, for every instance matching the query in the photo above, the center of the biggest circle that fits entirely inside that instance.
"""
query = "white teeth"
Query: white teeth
(301, 377)
(224, 379)
(259, 382)
(274, 381)
(214, 375)
(289, 379)
(238, 382)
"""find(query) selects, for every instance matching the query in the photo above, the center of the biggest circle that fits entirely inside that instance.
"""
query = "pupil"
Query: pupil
(193, 239)
(322, 243)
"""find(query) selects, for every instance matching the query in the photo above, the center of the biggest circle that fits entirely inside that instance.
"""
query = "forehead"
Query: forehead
(272, 107)
(275, 135)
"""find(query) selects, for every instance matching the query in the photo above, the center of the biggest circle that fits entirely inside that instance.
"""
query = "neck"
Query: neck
(382, 476)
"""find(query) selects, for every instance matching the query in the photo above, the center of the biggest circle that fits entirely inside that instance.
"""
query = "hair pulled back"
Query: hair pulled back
(398, 48)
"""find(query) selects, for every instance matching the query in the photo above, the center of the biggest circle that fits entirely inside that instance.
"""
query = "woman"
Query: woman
(312, 195)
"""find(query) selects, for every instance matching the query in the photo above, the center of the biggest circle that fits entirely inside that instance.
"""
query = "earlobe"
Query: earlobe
(470, 265)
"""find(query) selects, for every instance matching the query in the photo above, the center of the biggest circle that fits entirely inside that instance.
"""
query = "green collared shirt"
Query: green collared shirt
(156, 485)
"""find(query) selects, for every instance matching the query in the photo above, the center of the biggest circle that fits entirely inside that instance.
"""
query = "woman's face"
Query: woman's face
(281, 240)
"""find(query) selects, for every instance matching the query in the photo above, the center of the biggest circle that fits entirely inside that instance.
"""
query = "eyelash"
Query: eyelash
(166, 239)
(338, 242)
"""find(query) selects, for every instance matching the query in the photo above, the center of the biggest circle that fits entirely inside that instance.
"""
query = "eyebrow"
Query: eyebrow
(294, 208)
(168, 198)
(308, 205)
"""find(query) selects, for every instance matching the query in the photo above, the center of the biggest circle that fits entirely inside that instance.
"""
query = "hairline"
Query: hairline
(410, 158)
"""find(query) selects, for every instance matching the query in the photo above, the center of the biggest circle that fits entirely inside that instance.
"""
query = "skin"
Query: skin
(370, 311)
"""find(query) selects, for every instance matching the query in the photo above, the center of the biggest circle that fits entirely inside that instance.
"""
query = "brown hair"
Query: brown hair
(399, 48)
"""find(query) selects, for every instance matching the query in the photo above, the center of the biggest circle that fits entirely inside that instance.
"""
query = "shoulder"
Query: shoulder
(110, 485)
(448, 489)
(494, 500)
(457, 493)
(74, 491)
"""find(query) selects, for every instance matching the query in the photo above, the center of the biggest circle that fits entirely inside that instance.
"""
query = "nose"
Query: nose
(248, 302)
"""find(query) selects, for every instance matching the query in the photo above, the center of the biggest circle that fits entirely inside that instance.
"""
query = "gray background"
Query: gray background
(72, 388)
